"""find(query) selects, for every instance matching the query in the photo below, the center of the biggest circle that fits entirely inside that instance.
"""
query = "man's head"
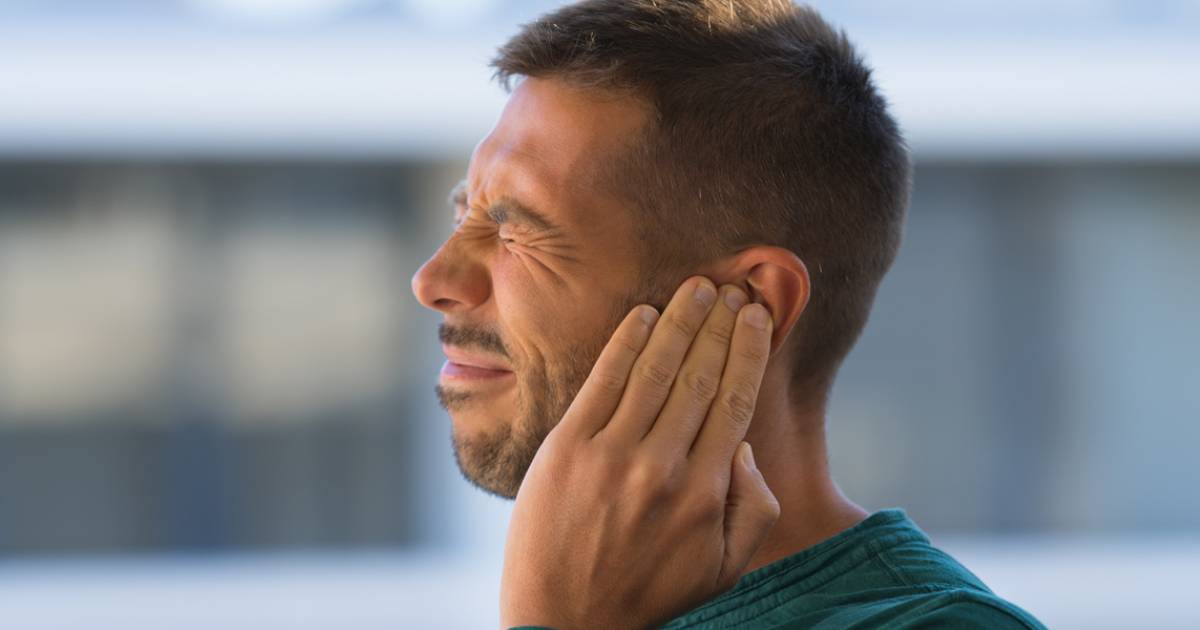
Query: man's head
(646, 141)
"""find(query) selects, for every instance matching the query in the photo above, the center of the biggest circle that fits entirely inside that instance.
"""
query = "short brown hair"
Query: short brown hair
(767, 130)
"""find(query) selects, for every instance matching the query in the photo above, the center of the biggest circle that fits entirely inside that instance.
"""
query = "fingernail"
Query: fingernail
(756, 316)
(734, 299)
(748, 457)
(705, 294)
(648, 314)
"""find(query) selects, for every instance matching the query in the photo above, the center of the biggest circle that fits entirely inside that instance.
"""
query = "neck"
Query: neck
(790, 450)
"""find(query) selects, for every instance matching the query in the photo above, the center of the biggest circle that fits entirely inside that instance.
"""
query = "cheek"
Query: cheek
(528, 313)
(550, 328)
(558, 324)
(556, 335)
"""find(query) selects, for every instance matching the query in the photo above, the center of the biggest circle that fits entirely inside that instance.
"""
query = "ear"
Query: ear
(772, 276)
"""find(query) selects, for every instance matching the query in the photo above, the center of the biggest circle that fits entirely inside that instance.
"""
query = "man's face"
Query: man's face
(541, 267)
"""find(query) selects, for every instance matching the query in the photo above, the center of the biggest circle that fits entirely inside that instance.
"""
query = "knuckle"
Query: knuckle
(701, 384)
(657, 374)
(771, 511)
(719, 334)
(682, 325)
(610, 382)
(753, 353)
(764, 514)
(627, 343)
(705, 506)
(603, 459)
(738, 404)
(649, 478)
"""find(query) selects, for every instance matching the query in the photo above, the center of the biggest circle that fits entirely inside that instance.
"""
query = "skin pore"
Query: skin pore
(531, 299)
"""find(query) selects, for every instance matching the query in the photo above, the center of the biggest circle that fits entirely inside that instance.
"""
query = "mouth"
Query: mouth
(462, 366)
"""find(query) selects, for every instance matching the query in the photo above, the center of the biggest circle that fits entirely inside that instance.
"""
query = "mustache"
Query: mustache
(468, 338)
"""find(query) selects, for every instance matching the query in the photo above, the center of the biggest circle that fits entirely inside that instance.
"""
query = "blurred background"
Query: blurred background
(216, 404)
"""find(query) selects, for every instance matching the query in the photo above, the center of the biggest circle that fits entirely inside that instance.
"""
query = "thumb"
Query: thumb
(750, 512)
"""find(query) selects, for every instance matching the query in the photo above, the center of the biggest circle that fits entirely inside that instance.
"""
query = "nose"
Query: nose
(451, 283)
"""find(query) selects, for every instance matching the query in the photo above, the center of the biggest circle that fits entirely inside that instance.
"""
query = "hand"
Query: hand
(644, 501)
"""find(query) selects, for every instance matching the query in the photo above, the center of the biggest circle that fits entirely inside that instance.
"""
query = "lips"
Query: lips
(454, 355)
(462, 365)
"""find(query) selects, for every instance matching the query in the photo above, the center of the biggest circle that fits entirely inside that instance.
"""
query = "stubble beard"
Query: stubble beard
(496, 461)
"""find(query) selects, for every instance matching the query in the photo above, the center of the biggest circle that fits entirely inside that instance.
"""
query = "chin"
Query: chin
(468, 424)
(492, 457)
(494, 440)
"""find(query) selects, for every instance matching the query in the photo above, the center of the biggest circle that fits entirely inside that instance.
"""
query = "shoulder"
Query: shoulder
(967, 609)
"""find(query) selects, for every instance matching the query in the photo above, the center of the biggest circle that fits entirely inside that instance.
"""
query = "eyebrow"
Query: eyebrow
(506, 209)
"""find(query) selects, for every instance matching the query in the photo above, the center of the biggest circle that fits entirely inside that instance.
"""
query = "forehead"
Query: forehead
(551, 147)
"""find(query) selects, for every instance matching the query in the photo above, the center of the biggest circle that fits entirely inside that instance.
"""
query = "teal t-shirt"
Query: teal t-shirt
(881, 573)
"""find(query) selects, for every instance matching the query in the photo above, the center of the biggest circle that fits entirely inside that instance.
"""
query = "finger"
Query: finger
(751, 510)
(655, 369)
(698, 379)
(731, 412)
(601, 392)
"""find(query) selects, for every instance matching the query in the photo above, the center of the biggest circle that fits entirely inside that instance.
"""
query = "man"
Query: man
(662, 253)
